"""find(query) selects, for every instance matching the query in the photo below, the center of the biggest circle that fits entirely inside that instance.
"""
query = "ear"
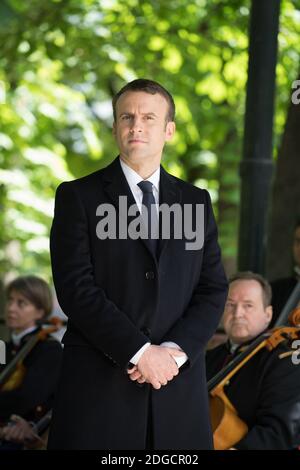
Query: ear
(269, 313)
(170, 130)
(39, 314)
(114, 129)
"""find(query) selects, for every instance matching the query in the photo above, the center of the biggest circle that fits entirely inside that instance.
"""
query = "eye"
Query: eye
(229, 305)
(126, 117)
(23, 303)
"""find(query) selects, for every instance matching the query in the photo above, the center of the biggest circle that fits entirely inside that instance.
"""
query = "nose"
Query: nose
(136, 124)
(10, 307)
(238, 311)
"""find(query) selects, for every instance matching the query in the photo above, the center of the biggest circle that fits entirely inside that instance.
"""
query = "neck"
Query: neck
(144, 169)
(18, 331)
(249, 339)
(237, 342)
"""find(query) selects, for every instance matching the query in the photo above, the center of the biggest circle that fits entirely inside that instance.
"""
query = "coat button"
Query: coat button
(149, 275)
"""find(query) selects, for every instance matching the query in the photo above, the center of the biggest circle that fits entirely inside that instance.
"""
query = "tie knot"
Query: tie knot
(146, 186)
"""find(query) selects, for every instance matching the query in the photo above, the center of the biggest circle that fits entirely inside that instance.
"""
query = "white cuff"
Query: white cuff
(180, 360)
(135, 359)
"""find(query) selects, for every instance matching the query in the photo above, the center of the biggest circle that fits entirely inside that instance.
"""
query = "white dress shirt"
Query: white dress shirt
(17, 337)
(133, 178)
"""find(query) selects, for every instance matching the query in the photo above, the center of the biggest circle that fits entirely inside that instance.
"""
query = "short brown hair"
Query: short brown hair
(35, 289)
(148, 86)
(264, 284)
(297, 224)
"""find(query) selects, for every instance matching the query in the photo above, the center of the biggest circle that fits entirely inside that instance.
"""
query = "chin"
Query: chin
(240, 339)
(239, 336)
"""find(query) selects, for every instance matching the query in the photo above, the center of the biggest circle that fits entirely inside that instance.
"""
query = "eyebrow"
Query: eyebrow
(143, 114)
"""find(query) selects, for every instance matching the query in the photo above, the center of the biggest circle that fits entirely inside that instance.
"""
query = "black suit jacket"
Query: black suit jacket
(42, 367)
(281, 291)
(266, 394)
(118, 296)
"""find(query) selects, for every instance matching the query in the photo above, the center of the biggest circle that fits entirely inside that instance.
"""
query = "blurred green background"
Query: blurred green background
(62, 61)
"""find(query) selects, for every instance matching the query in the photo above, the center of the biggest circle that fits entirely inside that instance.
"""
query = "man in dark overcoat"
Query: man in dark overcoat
(142, 308)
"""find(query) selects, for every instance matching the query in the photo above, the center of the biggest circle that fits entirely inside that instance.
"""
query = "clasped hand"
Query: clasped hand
(156, 366)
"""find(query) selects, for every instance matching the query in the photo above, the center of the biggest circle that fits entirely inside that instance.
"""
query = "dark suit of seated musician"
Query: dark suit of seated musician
(29, 302)
(266, 390)
(282, 288)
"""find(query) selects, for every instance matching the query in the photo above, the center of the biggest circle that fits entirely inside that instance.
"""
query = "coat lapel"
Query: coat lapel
(169, 194)
(115, 185)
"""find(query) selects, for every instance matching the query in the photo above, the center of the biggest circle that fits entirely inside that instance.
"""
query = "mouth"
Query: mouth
(136, 141)
(10, 318)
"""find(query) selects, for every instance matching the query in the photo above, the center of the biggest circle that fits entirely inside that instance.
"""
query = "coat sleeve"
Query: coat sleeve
(201, 318)
(99, 320)
(277, 418)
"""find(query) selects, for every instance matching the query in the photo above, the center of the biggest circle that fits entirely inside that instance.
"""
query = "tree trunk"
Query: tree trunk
(285, 207)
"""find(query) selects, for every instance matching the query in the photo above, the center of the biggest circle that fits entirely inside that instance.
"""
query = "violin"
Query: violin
(228, 428)
(13, 374)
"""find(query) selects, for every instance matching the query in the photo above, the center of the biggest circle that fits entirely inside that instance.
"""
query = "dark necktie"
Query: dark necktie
(147, 202)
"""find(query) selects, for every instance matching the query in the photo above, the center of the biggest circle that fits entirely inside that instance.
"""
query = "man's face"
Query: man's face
(245, 316)
(141, 129)
(296, 246)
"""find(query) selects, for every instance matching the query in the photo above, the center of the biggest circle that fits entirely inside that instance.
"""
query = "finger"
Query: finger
(11, 435)
(176, 352)
(170, 377)
(14, 418)
(141, 380)
(132, 370)
(156, 385)
(136, 375)
(6, 433)
(171, 371)
(31, 437)
(132, 379)
(19, 435)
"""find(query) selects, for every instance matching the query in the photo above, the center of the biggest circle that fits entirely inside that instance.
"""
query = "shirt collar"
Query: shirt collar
(134, 178)
(17, 337)
(233, 347)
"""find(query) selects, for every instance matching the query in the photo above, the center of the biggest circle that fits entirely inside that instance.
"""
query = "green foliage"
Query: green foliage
(61, 63)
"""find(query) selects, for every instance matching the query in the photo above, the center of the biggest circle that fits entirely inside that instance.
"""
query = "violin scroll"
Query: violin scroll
(294, 317)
